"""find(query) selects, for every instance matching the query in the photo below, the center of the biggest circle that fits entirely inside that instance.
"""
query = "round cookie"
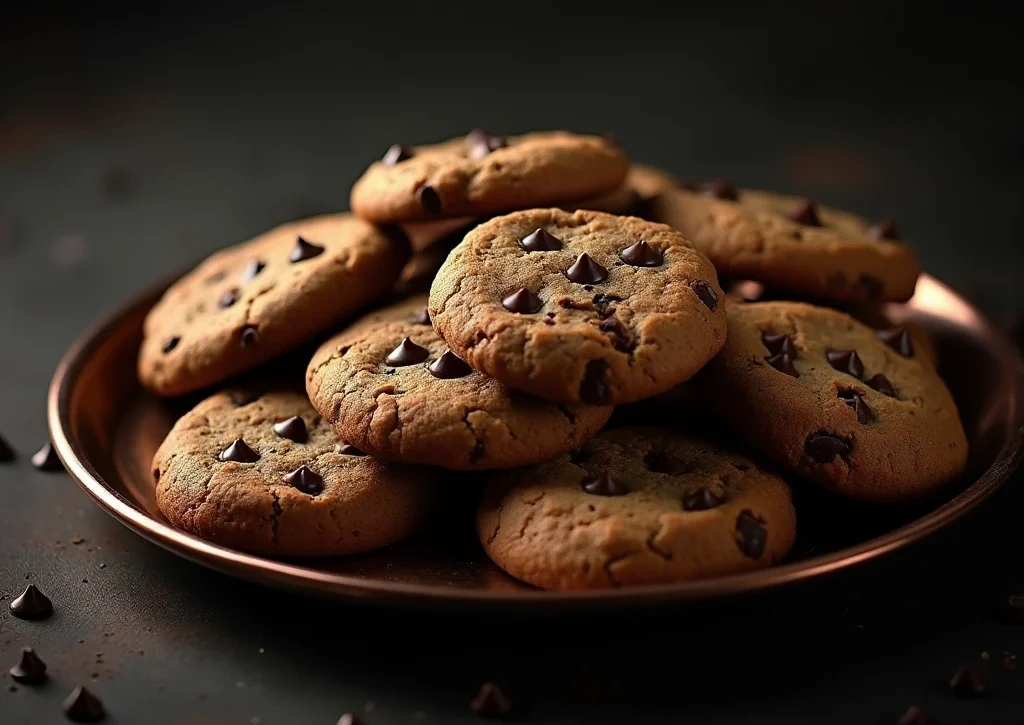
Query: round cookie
(479, 175)
(648, 181)
(635, 506)
(268, 475)
(791, 243)
(247, 304)
(579, 307)
(857, 410)
(390, 387)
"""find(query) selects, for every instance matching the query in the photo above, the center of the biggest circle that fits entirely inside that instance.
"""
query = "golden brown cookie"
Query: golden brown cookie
(635, 506)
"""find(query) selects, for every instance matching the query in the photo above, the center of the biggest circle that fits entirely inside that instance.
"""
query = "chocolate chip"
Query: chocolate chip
(250, 336)
(854, 399)
(30, 670)
(869, 287)
(347, 449)
(350, 719)
(253, 268)
(482, 143)
(641, 254)
(305, 480)
(421, 318)
(806, 214)
(294, 429)
(702, 499)
(396, 154)
(429, 200)
(885, 229)
(593, 389)
(228, 298)
(622, 338)
(965, 682)
(82, 706)
(846, 361)
(407, 353)
(540, 241)
(522, 301)
(783, 363)
(881, 383)
(32, 604)
(603, 484)
(46, 459)
(604, 303)
(586, 271)
(779, 344)
(303, 250)
(491, 702)
(243, 397)
(705, 294)
(239, 452)
(751, 534)
(449, 366)
(664, 462)
(914, 716)
(825, 447)
(898, 338)
(721, 189)
(6, 452)
(170, 343)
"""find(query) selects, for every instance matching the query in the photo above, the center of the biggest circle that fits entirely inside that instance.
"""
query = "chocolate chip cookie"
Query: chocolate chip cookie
(791, 243)
(579, 307)
(857, 410)
(251, 302)
(266, 474)
(479, 174)
(635, 506)
(391, 387)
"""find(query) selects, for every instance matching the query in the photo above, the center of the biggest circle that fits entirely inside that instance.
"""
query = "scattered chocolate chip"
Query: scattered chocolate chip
(6, 452)
(806, 214)
(449, 366)
(228, 298)
(491, 702)
(253, 268)
(965, 682)
(915, 716)
(751, 534)
(641, 254)
(869, 287)
(347, 449)
(522, 301)
(304, 250)
(846, 361)
(779, 344)
(622, 338)
(603, 484)
(664, 462)
(32, 604)
(705, 294)
(30, 670)
(243, 397)
(885, 229)
(239, 452)
(540, 241)
(898, 338)
(82, 706)
(421, 318)
(170, 343)
(407, 353)
(250, 336)
(350, 719)
(593, 389)
(702, 499)
(46, 459)
(586, 271)
(305, 480)
(429, 200)
(396, 154)
(824, 447)
(721, 189)
(881, 383)
(783, 363)
(854, 399)
(294, 429)
(482, 143)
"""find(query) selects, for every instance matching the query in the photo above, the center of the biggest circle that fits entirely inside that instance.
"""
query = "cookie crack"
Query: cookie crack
(609, 563)
(252, 301)
(478, 451)
(653, 548)
(497, 525)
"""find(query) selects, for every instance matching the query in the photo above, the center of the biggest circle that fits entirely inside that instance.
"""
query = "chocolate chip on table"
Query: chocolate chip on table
(407, 353)
(722, 189)
(846, 361)
(914, 716)
(603, 484)
(294, 429)
(32, 604)
(46, 459)
(250, 336)
(421, 318)
(856, 401)
(6, 452)
(29, 670)
(779, 344)
(523, 302)
(240, 452)
(824, 447)
(396, 154)
(429, 200)
(305, 480)
(491, 702)
(586, 271)
(227, 299)
(253, 268)
(593, 389)
(82, 706)
(881, 383)
(705, 294)
(623, 339)
(449, 366)
(664, 462)
(783, 363)
(540, 241)
(702, 499)
(170, 343)
(965, 682)
(898, 338)
(751, 534)
(806, 214)
(885, 229)
(304, 250)
(641, 254)
(347, 449)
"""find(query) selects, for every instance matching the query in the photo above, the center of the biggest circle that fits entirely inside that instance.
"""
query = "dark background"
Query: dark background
(135, 139)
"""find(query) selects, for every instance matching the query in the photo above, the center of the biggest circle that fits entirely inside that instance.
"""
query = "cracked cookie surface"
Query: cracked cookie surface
(289, 488)
(790, 243)
(479, 175)
(579, 307)
(390, 387)
(635, 506)
(250, 302)
(858, 410)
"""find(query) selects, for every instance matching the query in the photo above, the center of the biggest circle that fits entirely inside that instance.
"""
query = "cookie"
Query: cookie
(390, 386)
(418, 273)
(268, 475)
(248, 303)
(856, 410)
(579, 307)
(635, 506)
(479, 175)
(791, 243)
(648, 182)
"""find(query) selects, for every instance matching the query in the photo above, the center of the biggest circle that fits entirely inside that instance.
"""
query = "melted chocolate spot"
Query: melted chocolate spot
(881, 383)
(824, 447)
(593, 389)
(885, 229)
(305, 480)
(239, 452)
(622, 337)
(664, 462)
(702, 499)
(228, 298)
(30, 670)
(82, 706)
(170, 343)
(347, 449)
(603, 484)
(491, 702)
(751, 534)
(898, 338)
(449, 366)
(250, 336)
(421, 318)
(846, 361)
(304, 250)
(854, 399)
(31, 604)
(779, 344)
(540, 241)
(721, 189)
(253, 268)
(523, 302)
(396, 154)
(705, 293)
(294, 429)
(603, 304)
(407, 353)
(641, 254)
(806, 214)
(783, 363)
(586, 271)
(965, 682)
(46, 459)
(429, 200)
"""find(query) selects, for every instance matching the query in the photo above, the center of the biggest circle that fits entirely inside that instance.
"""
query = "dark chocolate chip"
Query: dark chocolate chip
(250, 336)
(856, 401)
(6, 452)
(824, 447)
(779, 344)
(705, 294)
(421, 318)
(407, 353)
(350, 719)
(482, 143)
(641, 254)
(46, 459)
(347, 449)
(228, 298)
(540, 241)
(253, 268)
(239, 452)
(593, 389)
(869, 287)
(294, 429)
(603, 484)
(898, 338)
(881, 383)
(914, 716)
(965, 682)
(751, 534)
(429, 200)
(82, 706)
(665, 462)
(522, 301)
(30, 670)
(702, 499)
(806, 214)
(305, 480)
(31, 604)
(604, 304)
(721, 189)
(783, 363)
(170, 343)
(846, 361)
(491, 702)
(449, 366)
(622, 338)
(243, 397)
(304, 250)
(586, 271)
(396, 154)
(885, 229)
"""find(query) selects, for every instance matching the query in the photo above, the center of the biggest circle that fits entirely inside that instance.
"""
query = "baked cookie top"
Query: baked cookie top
(792, 243)
(479, 174)
(390, 386)
(857, 410)
(635, 506)
(579, 307)
(253, 301)
(265, 473)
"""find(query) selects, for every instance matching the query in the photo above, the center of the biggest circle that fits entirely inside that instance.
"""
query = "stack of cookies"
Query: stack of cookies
(485, 308)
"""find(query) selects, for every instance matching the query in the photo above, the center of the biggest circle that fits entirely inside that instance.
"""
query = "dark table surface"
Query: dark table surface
(133, 142)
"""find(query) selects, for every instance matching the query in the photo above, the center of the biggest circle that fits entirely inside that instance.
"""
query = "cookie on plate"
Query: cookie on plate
(792, 243)
(479, 175)
(853, 409)
(635, 506)
(266, 474)
(579, 307)
(248, 303)
(391, 387)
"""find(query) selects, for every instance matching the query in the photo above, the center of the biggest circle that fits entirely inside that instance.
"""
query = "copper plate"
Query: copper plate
(106, 429)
